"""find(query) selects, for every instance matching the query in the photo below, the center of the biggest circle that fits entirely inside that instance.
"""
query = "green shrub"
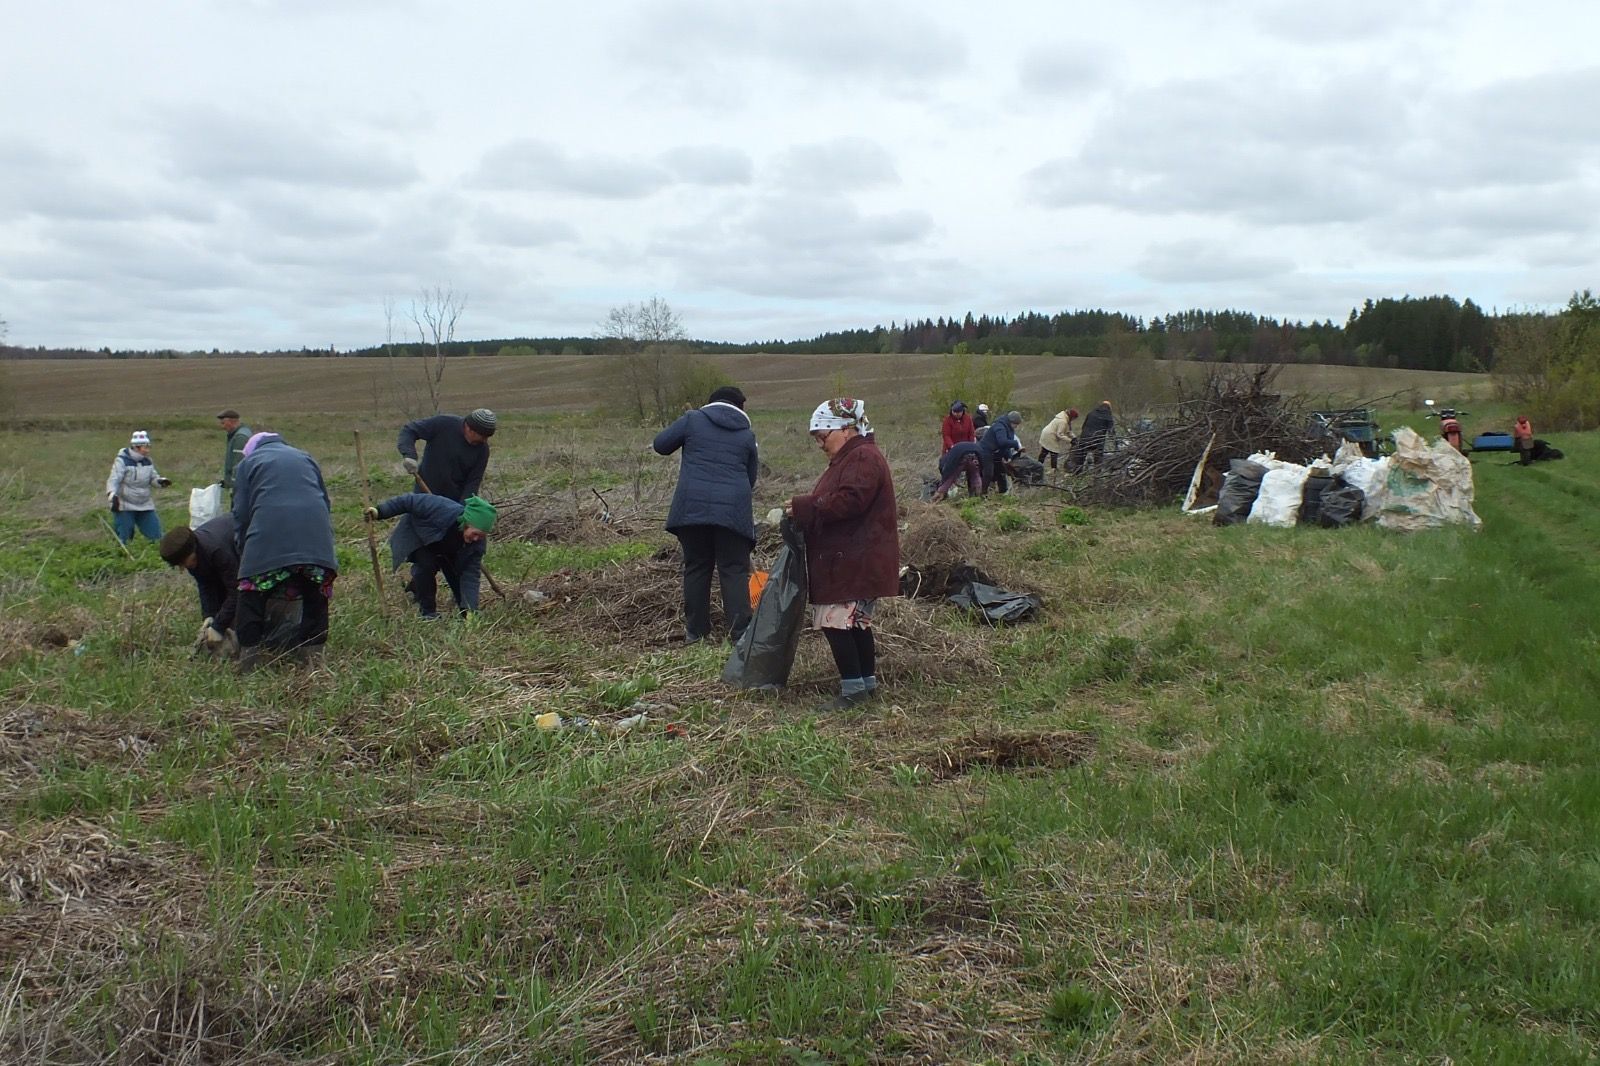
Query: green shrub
(1071, 516)
(1010, 521)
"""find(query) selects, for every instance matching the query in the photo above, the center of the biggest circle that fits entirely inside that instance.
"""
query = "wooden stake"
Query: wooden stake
(372, 535)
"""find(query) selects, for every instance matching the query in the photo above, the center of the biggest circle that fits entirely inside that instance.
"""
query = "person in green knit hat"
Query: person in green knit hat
(440, 536)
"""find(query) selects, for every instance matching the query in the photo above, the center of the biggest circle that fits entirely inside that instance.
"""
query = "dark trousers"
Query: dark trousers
(252, 626)
(457, 561)
(855, 652)
(994, 475)
(974, 474)
(1054, 456)
(703, 548)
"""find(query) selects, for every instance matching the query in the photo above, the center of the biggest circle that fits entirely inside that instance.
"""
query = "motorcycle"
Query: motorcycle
(1449, 425)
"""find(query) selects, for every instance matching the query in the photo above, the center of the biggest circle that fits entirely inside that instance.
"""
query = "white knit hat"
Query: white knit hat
(140, 439)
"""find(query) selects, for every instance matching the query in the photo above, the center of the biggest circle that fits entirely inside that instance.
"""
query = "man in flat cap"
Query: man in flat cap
(236, 433)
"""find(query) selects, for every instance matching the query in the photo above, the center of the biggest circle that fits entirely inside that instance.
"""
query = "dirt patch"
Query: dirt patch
(20, 638)
(59, 862)
(1012, 751)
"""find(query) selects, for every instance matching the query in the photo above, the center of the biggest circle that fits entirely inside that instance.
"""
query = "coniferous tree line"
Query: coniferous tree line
(1420, 333)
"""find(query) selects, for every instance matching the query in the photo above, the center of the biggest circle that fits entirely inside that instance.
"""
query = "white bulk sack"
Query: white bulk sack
(204, 504)
(1278, 503)
(1427, 486)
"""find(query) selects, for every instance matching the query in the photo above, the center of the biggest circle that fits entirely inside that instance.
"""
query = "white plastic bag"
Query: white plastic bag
(1278, 503)
(204, 504)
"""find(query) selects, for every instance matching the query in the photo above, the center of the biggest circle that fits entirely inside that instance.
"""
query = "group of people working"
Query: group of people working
(984, 454)
(264, 570)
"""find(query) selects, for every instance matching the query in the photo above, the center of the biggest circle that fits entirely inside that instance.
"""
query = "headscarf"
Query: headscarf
(841, 413)
(258, 439)
(958, 408)
(478, 513)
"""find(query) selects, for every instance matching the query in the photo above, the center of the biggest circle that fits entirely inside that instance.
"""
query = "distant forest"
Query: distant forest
(1415, 333)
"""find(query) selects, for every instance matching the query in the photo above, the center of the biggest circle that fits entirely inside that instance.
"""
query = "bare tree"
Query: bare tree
(647, 340)
(435, 318)
(434, 313)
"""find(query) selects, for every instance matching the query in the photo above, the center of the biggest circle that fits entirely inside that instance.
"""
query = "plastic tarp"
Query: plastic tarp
(1427, 486)
(205, 504)
(1240, 486)
(765, 653)
(997, 605)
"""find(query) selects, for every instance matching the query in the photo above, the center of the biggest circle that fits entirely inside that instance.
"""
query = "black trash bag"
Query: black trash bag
(930, 485)
(1240, 487)
(1543, 449)
(1311, 498)
(998, 606)
(1341, 505)
(1026, 470)
(764, 655)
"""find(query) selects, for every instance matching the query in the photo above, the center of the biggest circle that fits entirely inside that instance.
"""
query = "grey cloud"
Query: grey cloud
(1343, 22)
(861, 41)
(708, 165)
(518, 231)
(226, 148)
(839, 165)
(1062, 70)
(539, 165)
(1199, 262)
(52, 185)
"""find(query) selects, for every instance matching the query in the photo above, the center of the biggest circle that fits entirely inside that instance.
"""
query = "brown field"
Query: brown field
(282, 386)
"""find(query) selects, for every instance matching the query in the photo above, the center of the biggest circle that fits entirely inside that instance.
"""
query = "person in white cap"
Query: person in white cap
(852, 539)
(981, 419)
(130, 490)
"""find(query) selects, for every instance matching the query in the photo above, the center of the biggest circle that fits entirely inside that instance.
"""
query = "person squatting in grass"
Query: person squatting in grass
(442, 535)
(130, 490)
(711, 508)
(852, 538)
(283, 530)
(961, 459)
(997, 447)
(210, 556)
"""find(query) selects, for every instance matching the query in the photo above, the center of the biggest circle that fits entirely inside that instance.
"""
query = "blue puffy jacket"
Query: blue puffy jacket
(718, 472)
(1001, 440)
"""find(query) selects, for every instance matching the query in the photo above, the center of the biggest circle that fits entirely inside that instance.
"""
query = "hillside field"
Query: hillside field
(1238, 795)
(143, 388)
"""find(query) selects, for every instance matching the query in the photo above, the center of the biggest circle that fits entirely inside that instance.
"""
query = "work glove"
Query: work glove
(210, 636)
(164, 482)
(370, 514)
(410, 464)
(116, 504)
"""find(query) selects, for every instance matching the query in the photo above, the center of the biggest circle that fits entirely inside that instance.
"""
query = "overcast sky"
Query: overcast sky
(263, 173)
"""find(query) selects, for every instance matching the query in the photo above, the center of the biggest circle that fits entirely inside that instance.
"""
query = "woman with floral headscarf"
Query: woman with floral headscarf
(852, 543)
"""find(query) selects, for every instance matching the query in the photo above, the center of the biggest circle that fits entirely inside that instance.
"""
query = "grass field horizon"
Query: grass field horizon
(263, 386)
(1238, 795)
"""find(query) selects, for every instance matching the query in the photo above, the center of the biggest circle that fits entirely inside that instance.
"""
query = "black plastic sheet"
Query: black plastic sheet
(1341, 505)
(764, 655)
(997, 605)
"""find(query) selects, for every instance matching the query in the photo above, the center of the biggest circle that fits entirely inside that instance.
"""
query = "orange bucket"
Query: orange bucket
(758, 581)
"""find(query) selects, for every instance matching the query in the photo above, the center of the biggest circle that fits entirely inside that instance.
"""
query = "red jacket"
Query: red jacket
(1523, 430)
(958, 428)
(851, 526)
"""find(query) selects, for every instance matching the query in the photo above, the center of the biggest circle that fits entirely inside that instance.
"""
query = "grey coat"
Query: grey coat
(281, 513)
(133, 477)
(232, 452)
(427, 520)
(718, 471)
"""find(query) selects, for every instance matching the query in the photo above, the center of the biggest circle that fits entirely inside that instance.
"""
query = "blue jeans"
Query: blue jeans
(125, 522)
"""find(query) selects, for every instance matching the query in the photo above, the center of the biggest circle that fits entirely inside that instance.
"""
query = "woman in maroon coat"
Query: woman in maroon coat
(957, 427)
(850, 524)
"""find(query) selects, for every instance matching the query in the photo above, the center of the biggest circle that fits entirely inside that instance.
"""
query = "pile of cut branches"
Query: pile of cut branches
(1233, 411)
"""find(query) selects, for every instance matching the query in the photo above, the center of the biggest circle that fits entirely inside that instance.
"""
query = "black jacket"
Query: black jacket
(216, 570)
(451, 466)
(1097, 428)
(952, 459)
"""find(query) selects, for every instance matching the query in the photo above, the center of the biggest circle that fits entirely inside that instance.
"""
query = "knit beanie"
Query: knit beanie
(478, 513)
(482, 422)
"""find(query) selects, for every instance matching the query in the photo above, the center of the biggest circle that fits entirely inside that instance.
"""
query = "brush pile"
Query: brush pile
(1235, 406)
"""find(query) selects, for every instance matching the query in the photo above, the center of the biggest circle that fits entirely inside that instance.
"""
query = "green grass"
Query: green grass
(1339, 803)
